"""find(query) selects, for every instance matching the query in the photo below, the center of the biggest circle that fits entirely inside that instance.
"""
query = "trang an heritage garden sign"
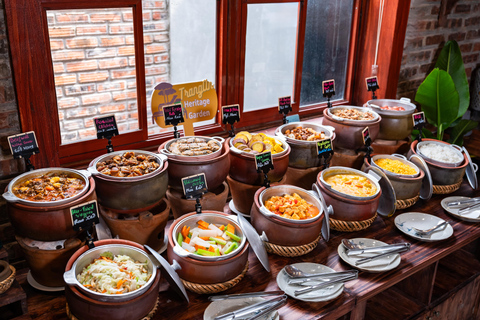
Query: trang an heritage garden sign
(198, 100)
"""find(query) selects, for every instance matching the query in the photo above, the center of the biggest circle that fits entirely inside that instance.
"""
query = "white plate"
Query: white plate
(406, 221)
(232, 207)
(31, 281)
(324, 294)
(471, 216)
(377, 265)
(217, 308)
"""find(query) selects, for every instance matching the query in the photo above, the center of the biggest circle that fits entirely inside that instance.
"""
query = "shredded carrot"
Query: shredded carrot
(106, 259)
(199, 247)
(221, 227)
(119, 283)
(203, 224)
(187, 240)
(211, 249)
(230, 228)
(119, 292)
(87, 285)
(104, 291)
(205, 238)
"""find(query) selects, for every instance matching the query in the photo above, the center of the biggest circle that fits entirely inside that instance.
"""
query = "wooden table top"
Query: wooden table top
(43, 305)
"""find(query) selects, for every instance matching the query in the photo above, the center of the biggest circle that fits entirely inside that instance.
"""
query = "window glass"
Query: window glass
(271, 42)
(325, 56)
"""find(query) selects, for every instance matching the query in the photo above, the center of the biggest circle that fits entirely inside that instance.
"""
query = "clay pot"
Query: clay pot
(347, 158)
(215, 169)
(303, 178)
(243, 194)
(146, 228)
(47, 223)
(86, 308)
(214, 201)
(243, 169)
(206, 272)
(286, 233)
(442, 175)
(48, 266)
(131, 194)
(349, 132)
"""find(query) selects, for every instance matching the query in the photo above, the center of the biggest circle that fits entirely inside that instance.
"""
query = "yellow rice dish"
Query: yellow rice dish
(395, 166)
(352, 184)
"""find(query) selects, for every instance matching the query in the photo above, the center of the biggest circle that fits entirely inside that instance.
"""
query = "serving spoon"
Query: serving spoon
(360, 248)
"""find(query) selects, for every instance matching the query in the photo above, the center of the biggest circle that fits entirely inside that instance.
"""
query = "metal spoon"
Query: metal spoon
(428, 232)
(294, 272)
(357, 249)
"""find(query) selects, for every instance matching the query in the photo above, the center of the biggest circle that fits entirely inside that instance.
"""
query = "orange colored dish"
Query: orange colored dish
(352, 184)
(291, 207)
(393, 108)
(49, 187)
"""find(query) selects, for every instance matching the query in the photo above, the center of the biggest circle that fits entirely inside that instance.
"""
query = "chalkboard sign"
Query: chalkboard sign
(328, 88)
(263, 161)
(285, 104)
(366, 136)
(324, 148)
(84, 215)
(106, 127)
(23, 145)
(194, 186)
(231, 114)
(372, 83)
(173, 114)
(418, 119)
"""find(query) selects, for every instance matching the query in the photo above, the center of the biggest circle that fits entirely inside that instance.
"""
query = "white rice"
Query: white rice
(439, 153)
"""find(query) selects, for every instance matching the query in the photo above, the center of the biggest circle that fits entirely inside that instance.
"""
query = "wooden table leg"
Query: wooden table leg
(359, 312)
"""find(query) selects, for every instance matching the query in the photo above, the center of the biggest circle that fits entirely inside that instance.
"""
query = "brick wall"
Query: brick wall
(430, 25)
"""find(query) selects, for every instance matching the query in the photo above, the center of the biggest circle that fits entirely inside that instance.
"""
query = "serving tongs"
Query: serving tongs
(460, 203)
(257, 309)
(380, 249)
(246, 295)
(381, 255)
(468, 209)
(326, 277)
(343, 279)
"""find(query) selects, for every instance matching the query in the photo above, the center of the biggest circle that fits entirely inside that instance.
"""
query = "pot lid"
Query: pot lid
(386, 204)
(172, 277)
(327, 211)
(255, 241)
(471, 171)
(426, 190)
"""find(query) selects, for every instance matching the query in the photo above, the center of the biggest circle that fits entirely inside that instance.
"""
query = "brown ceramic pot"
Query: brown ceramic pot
(85, 308)
(303, 178)
(281, 232)
(349, 132)
(243, 169)
(214, 200)
(206, 272)
(347, 158)
(146, 228)
(47, 223)
(48, 266)
(442, 175)
(215, 169)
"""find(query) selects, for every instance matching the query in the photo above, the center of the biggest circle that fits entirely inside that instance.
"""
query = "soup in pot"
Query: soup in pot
(352, 184)
(49, 187)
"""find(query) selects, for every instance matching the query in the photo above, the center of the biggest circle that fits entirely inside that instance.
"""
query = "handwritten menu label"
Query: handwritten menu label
(231, 114)
(328, 88)
(23, 145)
(106, 127)
(194, 186)
(324, 148)
(285, 104)
(84, 215)
(366, 136)
(372, 83)
(263, 161)
(418, 119)
(173, 114)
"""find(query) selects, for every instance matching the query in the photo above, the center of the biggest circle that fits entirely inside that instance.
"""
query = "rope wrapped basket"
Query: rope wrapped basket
(297, 251)
(7, 283)
(351, 226)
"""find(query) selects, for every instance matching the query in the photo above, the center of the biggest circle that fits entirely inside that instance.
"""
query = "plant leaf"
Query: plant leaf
(462, 127)
(439, 99)
(425, 134)
(450, 60)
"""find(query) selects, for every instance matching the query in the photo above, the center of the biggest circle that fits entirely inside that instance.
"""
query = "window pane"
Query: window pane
(327, 39)
(269, 54)
(94, 66)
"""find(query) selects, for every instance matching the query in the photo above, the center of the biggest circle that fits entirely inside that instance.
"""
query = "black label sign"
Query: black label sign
(324, 148)
(173, 114)
(23, 145)
(285, 104)
(195, 185)
(84, 215)
(231, 114)
(106, 127)
(418, 119)
(263, 161)
(372, 83)
(366, 136)
(328, 88)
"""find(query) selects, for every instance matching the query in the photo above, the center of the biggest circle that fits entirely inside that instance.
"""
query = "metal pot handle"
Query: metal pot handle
(405, 99)
(69, 277)
(87, 173)
(180, 251)
(475, 166)
(165, 152)
(265, 211)
(162, 157)
(374, 175)
(10, 197)
(457, 147)
(175, 265)
(220, 139)
(329, 128)
(92, 170)
(401, 156)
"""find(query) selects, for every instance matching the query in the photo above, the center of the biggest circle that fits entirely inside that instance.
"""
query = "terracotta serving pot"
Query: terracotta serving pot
(47, 223)
(281, 231)
(349, 132)
(131, 194)
(216, 169)
(243, 169)
(86, 308)
(202, 271)
(442, 175)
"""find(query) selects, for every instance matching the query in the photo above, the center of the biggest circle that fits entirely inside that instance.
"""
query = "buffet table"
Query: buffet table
(421, 286)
